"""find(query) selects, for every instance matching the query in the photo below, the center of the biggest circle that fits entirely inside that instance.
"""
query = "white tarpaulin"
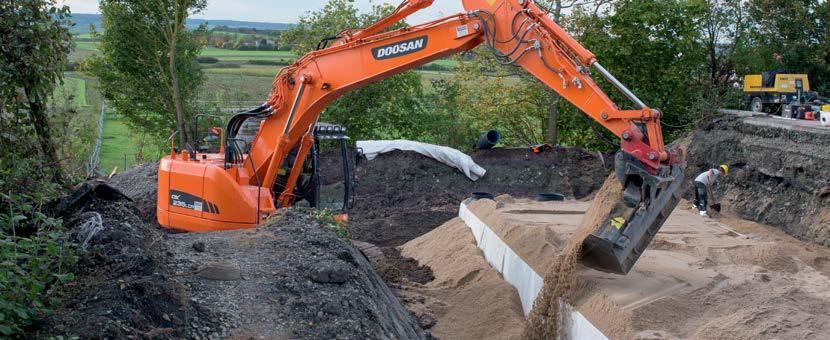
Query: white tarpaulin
(443, 154)
(519, 274)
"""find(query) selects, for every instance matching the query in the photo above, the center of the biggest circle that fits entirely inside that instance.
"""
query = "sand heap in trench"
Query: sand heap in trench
(468, 297)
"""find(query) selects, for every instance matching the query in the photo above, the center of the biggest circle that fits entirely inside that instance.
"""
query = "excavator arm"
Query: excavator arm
(517, 32)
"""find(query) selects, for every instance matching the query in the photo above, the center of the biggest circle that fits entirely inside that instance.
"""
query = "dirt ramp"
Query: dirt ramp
(122, 287)
(292, 278)
(780, 176)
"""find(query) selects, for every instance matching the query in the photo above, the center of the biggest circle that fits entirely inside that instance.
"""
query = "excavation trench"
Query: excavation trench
(725, 278)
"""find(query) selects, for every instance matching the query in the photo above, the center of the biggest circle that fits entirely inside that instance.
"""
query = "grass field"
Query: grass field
(87, 45)
(223, 54)
(118, 147)
(247, 70)
(75, 87)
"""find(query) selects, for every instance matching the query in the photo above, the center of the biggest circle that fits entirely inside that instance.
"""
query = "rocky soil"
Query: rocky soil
(292, 278)
(780, 177)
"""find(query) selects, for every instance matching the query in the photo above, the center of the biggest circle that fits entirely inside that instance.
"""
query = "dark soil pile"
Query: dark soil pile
(403, 195)
(293, 278)
(122, 288)
(780, 176)
(140, 183)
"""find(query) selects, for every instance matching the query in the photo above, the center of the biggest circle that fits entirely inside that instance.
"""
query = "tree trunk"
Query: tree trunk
(553, 116)
(37, 111)
(174, 83)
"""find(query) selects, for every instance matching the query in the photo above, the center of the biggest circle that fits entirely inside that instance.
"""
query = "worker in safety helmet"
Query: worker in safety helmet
(705, 185)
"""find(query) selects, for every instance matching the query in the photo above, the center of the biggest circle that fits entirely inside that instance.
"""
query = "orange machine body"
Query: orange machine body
(201, 195)
(222, 196)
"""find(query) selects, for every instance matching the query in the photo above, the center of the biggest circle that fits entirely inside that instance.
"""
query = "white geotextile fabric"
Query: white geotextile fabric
(514, 270)
(520, 275)
(443, 154)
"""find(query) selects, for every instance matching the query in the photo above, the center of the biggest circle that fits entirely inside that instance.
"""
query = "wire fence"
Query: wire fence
(95, 158)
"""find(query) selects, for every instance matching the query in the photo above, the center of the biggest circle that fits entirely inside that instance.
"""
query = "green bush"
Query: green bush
(34, 262)
(223, 65)
(436, 67)
(35, 259)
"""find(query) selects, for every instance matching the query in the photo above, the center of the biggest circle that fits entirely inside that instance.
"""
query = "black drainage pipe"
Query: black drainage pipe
(488, 140)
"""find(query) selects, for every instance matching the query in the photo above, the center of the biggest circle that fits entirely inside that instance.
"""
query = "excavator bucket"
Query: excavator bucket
(632, 221)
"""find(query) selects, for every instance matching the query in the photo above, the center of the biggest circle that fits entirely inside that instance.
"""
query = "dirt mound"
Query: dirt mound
(140, 183)
(780, 176)
(293, 278)
(122, 287)
(403, 195)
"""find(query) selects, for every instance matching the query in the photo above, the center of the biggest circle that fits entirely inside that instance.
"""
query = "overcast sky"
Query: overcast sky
(285, 11)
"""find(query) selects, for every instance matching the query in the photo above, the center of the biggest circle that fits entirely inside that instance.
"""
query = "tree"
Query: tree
(35, 44)
(387, 109)
(724, 25)
(147, 67)
(654, 47)
(791, 35)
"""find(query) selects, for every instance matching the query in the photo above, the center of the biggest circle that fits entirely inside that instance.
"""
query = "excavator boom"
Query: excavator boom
(240, 188)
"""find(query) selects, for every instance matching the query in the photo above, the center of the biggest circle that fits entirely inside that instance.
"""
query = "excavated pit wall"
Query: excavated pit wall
(780, 176)
(403, 195)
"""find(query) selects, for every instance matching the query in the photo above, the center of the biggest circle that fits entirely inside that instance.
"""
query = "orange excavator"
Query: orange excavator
(244, 183)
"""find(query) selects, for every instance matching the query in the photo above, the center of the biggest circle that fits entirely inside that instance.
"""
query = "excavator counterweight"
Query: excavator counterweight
(253, 178)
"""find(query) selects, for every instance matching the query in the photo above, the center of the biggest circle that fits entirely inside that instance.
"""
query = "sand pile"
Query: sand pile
(469, 298)
(724, 278)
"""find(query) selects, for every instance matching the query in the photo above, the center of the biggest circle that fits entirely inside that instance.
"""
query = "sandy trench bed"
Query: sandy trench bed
(701, 278)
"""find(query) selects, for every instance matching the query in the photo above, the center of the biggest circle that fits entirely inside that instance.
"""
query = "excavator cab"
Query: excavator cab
(328, 177)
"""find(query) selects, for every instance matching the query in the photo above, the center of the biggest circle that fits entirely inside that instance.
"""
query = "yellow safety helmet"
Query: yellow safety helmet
(725, 169)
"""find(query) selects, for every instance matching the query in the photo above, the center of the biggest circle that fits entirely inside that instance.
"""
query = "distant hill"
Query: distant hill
(83, 20)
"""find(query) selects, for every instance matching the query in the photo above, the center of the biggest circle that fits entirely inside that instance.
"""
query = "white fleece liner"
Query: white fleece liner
(449, 156)
(519, 274)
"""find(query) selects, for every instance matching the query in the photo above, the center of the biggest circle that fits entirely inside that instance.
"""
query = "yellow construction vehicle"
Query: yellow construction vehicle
(766, 92)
